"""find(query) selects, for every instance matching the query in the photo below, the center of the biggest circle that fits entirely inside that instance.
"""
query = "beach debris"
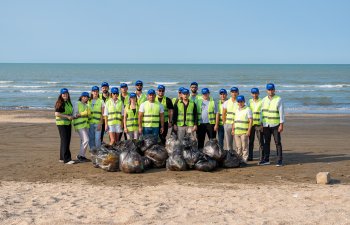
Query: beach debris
(213, 149)
(172, 144)
(107, 160)
(230, 160)
(148, 141)
(323, 178)
(158, 155)
(191, 156)
(189, 141)
(205, 164)
(176, 162)
(131, 162)
(147, 162)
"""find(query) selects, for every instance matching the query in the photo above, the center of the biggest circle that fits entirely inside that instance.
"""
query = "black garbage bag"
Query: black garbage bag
(93, 153)
(191, 156)
(205, 164)
(158, 155)
(176, 162)
(148, 141)
(131, 162)
(107, 160)
(127, 145)
(147, 163)
(106, 147)
(231, 159)
(172, 144)
(189, 141)
(213, 149)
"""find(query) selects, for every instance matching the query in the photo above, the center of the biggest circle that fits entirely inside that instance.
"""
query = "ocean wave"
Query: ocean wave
(47, 82)
(166, 83)
(316, 85)
(127, 82)
(296, 90)
(34, 91)
(6, 81)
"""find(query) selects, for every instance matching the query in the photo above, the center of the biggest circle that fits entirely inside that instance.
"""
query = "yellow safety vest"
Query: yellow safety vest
(101, 95)
(270, 113)
(82, 121)
(68, 110)
(256, 110)
(126, 99)
(189, 114)
(96, 111)
(132, 119)
(151, 117)
(231, 108)
(220, 112)
(141, 99)
(166, 111)
(241, 121)
(211, 110)
(114, 112)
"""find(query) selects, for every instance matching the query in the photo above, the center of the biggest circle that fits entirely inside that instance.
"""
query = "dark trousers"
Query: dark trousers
(221, 135)
(203, 129)
(165, 133)
(120, 136)
(65, 135)
(255, 131)
(268, 132)
(102, 131)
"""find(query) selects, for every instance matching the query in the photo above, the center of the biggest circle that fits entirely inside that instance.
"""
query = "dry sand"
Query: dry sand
(36, 189)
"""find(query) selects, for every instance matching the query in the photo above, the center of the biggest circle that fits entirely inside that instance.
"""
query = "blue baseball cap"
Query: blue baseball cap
(64, 91)
(194, 83)
(138, 82)
(132, 95)
(84, 94)
(234, 89)
(115, 90)
(151, 92)
(185, 91)
(270, 86)
(162, 87)
(223, 91)
(240, 98)
(254, 90)
(205, 91)
(95, 88)
(123, 85)
(180, 89)
(104, 84)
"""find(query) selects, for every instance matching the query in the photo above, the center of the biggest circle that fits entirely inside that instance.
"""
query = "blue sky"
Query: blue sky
(181, 31)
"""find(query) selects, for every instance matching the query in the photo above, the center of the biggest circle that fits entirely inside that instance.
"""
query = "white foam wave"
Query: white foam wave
(6, 81)
(166, 83)
(127, 82)
(34, 91)
(48, 82)
(315, 85)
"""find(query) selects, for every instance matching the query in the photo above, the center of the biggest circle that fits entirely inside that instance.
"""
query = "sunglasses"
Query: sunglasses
(138, 84)
(114, 93)
(222, 93)
(160, 90)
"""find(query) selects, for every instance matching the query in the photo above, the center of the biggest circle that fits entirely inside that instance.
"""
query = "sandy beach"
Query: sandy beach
(36, 189)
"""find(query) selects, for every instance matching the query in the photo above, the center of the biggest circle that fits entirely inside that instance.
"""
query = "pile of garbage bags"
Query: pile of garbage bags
(136, 156)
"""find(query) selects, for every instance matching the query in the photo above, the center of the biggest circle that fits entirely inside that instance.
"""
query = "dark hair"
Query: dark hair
(60, 101)
(82, 97)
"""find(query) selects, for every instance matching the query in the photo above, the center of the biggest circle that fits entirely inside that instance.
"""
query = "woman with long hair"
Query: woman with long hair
(64, 117)
(96, 119)
(131, 113)
(81, 124)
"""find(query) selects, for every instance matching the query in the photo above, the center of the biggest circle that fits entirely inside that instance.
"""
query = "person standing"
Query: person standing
(255, 104)
(168, 112)
(207, 117)
(151, 114)
(114, 112)
(241, 128)
(272, 117)
(185, 118)
(104, 96)
(131, 112)
(81, 124)
(124, 97)
(221, 130)
(194, 92)
(179, 96)
(228, 113)
(96, 120)
(64, 117)
(141, 97)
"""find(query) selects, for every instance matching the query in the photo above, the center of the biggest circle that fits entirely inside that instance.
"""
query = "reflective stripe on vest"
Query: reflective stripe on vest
(114, 112)
(241, 121)
(166, 111)
(96, 112)
(270, 113)
(211, 110)
(82, 121)
(189, 114)
(68, 110)
(132, 119)
(231, 108)
(255, 107)
(220, 112)
(151, 116)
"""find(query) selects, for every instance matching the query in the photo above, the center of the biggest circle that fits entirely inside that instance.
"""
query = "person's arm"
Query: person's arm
(216, 127)
(281, 112)
(224, 111)
(125, 119)
(175, 114)
(161, 122)
(140, 121)
(195, 117)
(250, 119)
(170, 110)
(105, 113)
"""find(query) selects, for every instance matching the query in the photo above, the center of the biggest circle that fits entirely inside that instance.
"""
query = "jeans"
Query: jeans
(65, 136)
(94, 136)
(150, 130)
(268, 132)
(84, 140)
(256, 131)
(221, 134)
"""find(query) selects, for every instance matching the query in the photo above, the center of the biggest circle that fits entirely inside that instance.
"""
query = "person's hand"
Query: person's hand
(77, 116)
(169, 125)
(140, 130)
(161, 130)
(126, 130)
(99, 126)
(106, 127)
(233, 132)
(194, 128)
(216, 128)
(248, 133)
(71, 117)
(280, 128)
(175, 128)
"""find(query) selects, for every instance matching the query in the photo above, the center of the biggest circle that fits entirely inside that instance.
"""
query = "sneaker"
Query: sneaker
(61, 161)
(81, 158)
(267, 163)
(70, 162)
(261, 163)
(242, 164)
(279, 163)
(250, 159)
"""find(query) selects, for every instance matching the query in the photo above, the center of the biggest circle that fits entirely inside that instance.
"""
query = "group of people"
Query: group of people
(121, 113)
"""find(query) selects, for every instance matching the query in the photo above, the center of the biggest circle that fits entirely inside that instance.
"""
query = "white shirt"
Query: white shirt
(249, 114)
(280, 110)
(105, 113)
(224, 105)
(142, 107)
